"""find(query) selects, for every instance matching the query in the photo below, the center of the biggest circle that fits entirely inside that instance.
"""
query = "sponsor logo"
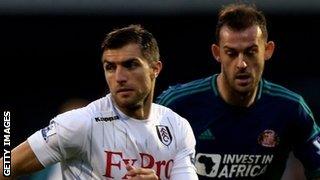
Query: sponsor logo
(48, 131)
(268, 138)
(232, 165)
(106, 119)
(208, 164)
(164, 134)
(115, 162)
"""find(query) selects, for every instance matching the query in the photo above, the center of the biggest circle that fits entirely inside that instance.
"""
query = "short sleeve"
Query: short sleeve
(63, 139)
(307, 147)
(183, 167)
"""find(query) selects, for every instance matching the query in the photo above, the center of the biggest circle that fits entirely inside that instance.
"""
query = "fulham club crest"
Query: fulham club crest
(164, 134)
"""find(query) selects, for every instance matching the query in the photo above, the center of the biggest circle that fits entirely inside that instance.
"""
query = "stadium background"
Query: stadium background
(51, 53)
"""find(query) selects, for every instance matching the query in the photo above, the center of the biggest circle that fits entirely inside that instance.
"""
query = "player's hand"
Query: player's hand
(141, 173)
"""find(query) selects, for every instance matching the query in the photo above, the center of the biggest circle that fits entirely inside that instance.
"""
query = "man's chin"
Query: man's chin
(244, 89)
(127, 103)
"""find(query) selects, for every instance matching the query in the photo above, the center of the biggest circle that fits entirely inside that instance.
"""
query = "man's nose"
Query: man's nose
(121, 74)
(241, 63)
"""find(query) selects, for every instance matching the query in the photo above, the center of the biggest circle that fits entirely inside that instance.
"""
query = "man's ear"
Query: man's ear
(269, 50)
(156, 68)
(215, 50)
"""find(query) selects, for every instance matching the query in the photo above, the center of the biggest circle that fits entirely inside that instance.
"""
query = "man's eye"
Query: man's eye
(131, 64)
(109, 67)
(231, 53)
(251, 52)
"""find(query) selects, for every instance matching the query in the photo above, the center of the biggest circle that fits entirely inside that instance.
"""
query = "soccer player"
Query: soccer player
(245, 126)
(122, 135)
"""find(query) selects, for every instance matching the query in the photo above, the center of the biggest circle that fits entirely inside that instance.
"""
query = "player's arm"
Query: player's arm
(23, 161)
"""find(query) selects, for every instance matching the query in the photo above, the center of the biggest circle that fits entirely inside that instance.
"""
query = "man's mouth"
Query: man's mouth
(124, 90)
(243, 76)
(243, 79)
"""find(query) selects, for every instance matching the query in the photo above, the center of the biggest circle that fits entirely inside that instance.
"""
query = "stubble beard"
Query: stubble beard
(244, 91)
(132, 103)
(238, 90)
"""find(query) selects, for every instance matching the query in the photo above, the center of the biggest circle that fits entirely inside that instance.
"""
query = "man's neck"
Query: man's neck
(142, 112)
(233, 97)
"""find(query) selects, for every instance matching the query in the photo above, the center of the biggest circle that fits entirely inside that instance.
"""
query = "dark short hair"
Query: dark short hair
(239, 17)
(133, 34)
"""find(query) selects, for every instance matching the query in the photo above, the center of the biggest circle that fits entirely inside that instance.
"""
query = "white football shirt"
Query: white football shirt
(97, 141)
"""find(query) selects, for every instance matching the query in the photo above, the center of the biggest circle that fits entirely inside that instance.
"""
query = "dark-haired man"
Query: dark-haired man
(245, 126)
(122, 135)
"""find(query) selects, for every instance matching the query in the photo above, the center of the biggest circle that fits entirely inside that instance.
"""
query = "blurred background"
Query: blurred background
(50, 49)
